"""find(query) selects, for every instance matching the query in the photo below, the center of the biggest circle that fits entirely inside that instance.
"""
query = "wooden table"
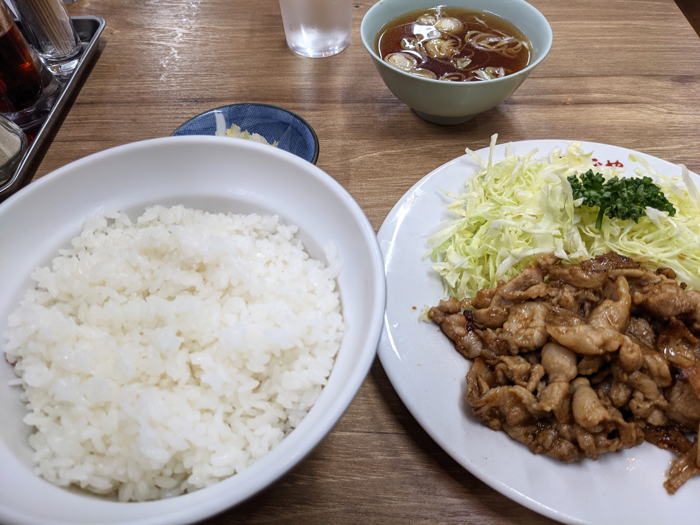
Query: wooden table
(620, 72)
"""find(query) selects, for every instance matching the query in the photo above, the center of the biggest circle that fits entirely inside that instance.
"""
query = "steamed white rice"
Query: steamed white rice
(162, 356)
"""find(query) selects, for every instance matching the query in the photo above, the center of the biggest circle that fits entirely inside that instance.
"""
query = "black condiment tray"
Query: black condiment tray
(89, 29)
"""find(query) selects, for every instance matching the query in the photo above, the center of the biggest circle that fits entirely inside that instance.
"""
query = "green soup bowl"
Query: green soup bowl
(445, 102)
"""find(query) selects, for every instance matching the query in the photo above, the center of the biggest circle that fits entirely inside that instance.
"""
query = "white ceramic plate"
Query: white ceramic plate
(213, 174)
(429, 376)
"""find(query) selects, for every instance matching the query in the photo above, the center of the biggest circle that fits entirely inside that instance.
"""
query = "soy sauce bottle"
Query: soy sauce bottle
(20, 78)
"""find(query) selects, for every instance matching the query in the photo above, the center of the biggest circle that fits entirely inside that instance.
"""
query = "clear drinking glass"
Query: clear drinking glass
(50, 31)
(317, 28)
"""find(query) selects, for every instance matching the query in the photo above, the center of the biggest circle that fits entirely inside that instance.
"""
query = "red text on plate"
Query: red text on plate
(609, 163)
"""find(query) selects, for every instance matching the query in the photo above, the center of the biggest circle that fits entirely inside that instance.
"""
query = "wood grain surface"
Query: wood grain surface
(619, 72)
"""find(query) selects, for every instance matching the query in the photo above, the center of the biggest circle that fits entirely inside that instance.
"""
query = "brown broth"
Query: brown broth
(407, 27)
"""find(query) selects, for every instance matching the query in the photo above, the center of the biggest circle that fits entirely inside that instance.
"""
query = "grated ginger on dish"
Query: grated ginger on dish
(235, 132)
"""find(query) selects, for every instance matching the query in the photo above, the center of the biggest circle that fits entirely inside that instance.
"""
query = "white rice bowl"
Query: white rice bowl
(204, 173)
(164, 355)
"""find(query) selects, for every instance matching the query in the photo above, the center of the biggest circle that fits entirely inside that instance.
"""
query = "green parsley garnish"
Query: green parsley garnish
(624, 198)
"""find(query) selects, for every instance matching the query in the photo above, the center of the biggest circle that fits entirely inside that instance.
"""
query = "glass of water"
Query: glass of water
(317, 28)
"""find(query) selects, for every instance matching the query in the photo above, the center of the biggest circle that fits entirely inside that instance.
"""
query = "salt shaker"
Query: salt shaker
(50, 31)
(13, 145)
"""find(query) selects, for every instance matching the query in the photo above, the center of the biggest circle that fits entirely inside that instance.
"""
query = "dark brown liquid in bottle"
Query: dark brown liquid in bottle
(20, 79)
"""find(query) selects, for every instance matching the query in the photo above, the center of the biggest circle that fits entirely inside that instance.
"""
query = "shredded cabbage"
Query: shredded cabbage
(522, 206)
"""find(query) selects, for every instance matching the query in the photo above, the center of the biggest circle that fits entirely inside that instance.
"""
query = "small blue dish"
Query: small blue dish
(292, 132)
